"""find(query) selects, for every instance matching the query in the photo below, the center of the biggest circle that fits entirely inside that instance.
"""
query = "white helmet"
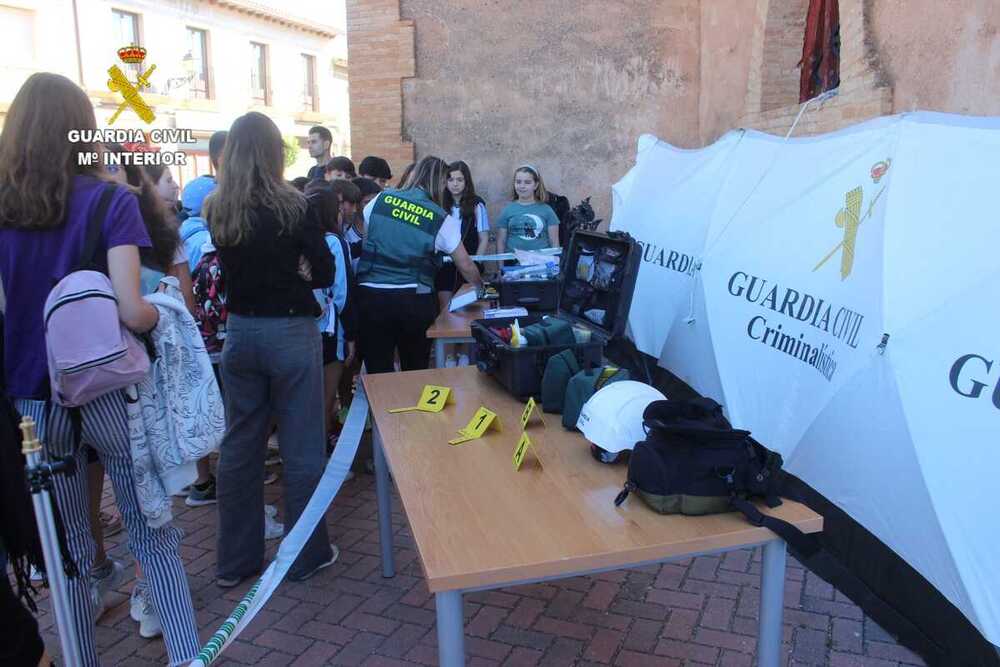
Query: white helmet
(612, 418)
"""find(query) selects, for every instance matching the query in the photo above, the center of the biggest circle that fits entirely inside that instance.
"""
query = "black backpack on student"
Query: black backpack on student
(694, 462)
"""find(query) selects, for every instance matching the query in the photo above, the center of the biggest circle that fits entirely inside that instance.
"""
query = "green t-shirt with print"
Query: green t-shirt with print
(527, 226)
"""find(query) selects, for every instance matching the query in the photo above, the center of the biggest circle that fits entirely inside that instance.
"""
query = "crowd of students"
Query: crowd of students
(290, 287)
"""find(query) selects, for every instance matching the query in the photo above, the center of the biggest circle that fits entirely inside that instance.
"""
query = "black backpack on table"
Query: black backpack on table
(694, 462)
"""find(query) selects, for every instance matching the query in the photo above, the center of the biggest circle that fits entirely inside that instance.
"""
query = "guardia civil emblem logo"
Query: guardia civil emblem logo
(849, 218)
(119, 83)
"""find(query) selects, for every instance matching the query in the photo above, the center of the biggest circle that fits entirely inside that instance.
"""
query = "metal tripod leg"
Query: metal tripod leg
(40, 473)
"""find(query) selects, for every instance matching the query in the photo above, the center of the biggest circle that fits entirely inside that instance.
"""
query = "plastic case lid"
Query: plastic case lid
(619, 302)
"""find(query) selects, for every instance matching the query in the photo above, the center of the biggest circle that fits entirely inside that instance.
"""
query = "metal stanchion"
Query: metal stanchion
(40, 472)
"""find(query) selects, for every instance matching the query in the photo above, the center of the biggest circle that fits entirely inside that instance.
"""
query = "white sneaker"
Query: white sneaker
(449, 361)
(136, 599)
(104, 582)
(141, 609)
(273, 530)
(463, 360)
(272, 441)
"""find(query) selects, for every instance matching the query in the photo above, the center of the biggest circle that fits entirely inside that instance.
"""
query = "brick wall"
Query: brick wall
(773, 86)
(456, 82)
(380, 52)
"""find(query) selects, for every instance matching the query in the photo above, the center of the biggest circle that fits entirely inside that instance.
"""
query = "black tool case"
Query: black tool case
(598, 279)
(534, 295)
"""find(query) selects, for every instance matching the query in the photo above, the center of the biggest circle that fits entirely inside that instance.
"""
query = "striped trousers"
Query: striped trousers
(105, 428)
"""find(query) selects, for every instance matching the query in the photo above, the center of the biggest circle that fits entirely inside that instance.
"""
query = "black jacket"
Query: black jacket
(262, 272)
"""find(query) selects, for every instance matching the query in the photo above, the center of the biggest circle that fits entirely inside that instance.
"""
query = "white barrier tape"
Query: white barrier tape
(506, 255)
(333, 477)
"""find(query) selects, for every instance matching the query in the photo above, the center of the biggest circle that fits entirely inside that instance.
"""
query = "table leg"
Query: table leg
(772, 594)
(384, 499)
(439, 353)
(450, 629)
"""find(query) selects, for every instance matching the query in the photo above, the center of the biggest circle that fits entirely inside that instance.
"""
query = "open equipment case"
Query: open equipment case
(598, 279)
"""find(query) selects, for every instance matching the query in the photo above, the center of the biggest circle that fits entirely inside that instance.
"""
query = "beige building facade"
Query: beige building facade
(215, 60)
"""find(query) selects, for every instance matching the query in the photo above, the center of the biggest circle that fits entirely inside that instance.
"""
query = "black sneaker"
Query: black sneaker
(201, 494)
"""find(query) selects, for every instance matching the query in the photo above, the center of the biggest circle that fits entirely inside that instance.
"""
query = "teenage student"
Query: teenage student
(339, 168)
(165, 257)
(461, 200)
(404, 231)
(46, 199)
(527, 223)
(377, 169)
(353, 202)
(165, 185)
(271, 247)
(336, 323)
(194, 229)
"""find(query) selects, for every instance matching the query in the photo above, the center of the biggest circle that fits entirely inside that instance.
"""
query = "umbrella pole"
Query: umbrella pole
(39, 475)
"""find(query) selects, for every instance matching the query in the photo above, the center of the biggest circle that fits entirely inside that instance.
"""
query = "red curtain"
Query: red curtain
(820, 65)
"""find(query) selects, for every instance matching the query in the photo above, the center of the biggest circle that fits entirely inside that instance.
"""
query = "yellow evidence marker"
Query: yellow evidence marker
(523, 445)
(484, 420)
(432, 399)
(529, 409)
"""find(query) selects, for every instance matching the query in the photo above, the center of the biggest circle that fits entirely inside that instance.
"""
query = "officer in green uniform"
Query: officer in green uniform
(404, 232)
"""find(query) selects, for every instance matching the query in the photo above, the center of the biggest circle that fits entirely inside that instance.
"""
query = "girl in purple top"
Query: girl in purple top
(46, 198)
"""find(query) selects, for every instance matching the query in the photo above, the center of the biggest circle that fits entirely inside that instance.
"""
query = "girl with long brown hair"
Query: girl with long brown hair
(46, 199)
(166, 256)
(461, 200)
(273, 254)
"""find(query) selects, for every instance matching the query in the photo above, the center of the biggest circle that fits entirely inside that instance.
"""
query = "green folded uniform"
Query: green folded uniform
(550, 331)
(558, 371)
(585, 384)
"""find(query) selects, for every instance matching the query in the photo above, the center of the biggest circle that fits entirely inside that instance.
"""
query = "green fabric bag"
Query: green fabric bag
(549, 331)
(534, 335)
(558, 331)
(558, 371)
(585, 384)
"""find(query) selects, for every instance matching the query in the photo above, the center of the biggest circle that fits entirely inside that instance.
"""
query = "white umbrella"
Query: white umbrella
(887, 228)
(665, 202)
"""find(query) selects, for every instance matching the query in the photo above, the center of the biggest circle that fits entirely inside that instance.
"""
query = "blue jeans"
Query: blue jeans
(270, 366)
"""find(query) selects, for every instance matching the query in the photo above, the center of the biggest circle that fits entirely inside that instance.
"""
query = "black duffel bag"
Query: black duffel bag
(694, 462)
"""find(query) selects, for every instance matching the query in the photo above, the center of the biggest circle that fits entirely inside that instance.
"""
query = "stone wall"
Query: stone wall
(565, 85)
(940, 56)
(569, 85)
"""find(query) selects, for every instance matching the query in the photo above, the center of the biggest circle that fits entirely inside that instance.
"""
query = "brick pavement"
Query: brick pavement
(696, 613)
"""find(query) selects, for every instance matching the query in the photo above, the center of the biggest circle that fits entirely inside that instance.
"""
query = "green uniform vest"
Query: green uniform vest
(399, 246)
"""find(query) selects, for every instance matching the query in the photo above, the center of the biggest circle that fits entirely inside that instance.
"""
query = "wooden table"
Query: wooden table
(454, 328)
(479, 525)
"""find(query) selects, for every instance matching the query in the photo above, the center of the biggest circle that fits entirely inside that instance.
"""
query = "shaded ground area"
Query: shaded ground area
(698, 612)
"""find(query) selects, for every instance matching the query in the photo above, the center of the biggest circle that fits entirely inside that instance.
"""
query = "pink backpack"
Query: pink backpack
(90, 351)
